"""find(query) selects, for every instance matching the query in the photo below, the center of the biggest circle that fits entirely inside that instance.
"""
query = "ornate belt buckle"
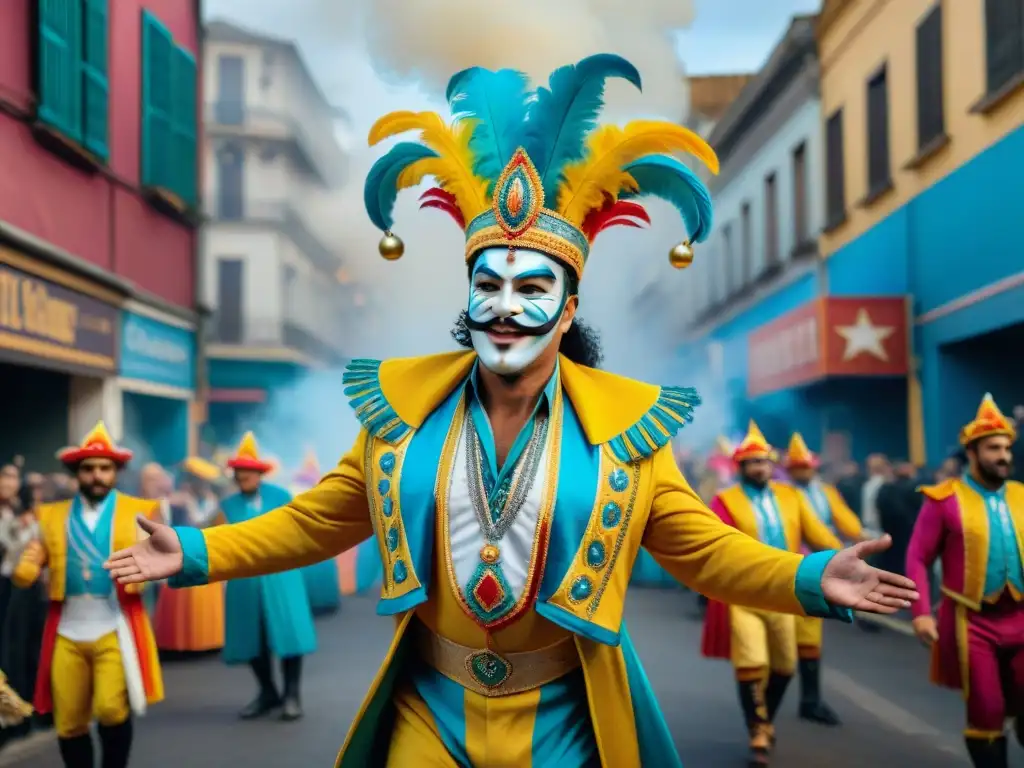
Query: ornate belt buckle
(489, 669)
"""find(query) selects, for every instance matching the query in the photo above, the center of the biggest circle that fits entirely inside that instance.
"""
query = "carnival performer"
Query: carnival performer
(510, 486)
(975, 524)
(322, 584)
(98, 659)
(269, 615)
(826, 502)
(192, 620)
(759, 641)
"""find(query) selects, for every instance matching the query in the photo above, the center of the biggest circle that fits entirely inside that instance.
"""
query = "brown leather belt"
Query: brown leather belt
(493, 674)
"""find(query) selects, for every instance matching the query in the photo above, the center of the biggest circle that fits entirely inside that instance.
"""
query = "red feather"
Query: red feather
(436, 193)
(448, 207)
(614, 213)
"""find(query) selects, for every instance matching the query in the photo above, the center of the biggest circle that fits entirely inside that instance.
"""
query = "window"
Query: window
(746, 268)
(230, 108)
(800, 195)
(771, 221)
(878, 133)
(71, 71)
(1004, 42)
(931, 122)
(169, 119)
(289, 276)
(229, 300)
(727, 260)
(230, 181)
(835, 169)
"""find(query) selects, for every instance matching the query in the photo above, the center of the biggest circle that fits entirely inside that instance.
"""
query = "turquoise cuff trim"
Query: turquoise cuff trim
(362, 388)
(808, 588)
(578, 626)
(195, 567)
(396, 605)
(671, 412)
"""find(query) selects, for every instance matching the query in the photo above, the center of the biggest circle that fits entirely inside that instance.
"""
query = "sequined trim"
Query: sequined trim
(538, 554)
(671, 412)
(550, 234)
(362, 387)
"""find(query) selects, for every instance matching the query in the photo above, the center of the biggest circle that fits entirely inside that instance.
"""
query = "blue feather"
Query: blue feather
(453, 84)
(673, 182)
(498, 102)
(564, 114)
(379, 192)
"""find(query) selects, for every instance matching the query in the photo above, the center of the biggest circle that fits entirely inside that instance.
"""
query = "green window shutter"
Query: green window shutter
(96, 89)
(59, 80)
(157, 55)
(183, 126)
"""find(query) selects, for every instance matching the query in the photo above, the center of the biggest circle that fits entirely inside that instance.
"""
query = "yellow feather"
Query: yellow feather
(586, 184)
(453, 169)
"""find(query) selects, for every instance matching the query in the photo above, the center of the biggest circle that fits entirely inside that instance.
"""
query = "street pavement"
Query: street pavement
(876, 681)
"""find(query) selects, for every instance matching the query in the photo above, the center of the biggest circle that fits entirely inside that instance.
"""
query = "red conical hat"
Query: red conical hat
(248, 456)
(753, 446)
(97, 445)
(799, 455)
(989, 421)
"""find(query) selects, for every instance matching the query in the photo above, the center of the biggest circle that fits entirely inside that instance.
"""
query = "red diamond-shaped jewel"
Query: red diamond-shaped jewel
(488, 592)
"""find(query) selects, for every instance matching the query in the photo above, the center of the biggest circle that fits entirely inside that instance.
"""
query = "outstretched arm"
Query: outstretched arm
(324, 521)
(700, 550)
(814, 532)
(846, 522)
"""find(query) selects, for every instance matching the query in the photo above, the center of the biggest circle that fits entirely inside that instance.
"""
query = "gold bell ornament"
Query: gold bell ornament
(391, 246)
(681, 256)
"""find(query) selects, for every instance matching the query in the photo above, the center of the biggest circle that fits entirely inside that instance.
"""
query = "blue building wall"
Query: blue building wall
(227, 421)
(960, 235)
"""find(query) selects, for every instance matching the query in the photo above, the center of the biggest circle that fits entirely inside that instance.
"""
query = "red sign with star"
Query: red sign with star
(830, 336)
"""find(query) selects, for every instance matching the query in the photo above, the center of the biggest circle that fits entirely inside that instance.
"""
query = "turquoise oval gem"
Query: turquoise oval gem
(399, 572)
(581, 588)
(596, 554)
(516, 217)
(392, 538)
(611, 515)
(618, 480)
(384, 486)
(387, 506)
(387, 463)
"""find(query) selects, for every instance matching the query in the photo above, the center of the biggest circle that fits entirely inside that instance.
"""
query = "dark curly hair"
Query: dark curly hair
(581, 343)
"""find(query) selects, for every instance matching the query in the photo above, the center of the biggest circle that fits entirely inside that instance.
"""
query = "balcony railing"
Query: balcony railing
(269, 332)
(316, 149)
(282, 215)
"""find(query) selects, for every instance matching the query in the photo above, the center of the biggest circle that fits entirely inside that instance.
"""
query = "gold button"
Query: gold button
(490, 554)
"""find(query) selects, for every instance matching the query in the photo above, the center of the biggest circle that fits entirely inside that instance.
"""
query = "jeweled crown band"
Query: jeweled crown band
(550, 234)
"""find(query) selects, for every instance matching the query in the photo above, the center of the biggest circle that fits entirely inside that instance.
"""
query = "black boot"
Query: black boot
(77, 751)
(811, 705)
(1019, 728)
(116, 742)
(774, 693)
(291, 668)
(268, 698)
(755, 712)
(988, 753)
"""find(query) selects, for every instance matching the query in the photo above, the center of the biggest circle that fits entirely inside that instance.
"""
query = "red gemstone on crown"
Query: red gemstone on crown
(488, 592)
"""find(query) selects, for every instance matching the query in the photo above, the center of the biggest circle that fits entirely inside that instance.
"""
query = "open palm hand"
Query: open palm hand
(849, 582)
(157, 557)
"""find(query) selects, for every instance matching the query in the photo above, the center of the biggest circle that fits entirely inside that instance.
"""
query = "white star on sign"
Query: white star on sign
(864, 337)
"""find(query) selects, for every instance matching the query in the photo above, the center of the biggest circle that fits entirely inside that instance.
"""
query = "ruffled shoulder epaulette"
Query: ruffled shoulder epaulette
(940, 491)
(671, 412)
(375, 413)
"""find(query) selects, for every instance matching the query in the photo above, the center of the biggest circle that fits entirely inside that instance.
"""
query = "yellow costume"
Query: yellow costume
(761, 643)
(507, 578)
(99, 659)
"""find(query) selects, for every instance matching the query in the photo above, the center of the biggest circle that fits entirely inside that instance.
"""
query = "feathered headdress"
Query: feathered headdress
(522, 168)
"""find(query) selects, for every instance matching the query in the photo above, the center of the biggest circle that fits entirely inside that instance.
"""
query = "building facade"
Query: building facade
(922, 104)
(280, 295)
(98, 224)
(761, 323)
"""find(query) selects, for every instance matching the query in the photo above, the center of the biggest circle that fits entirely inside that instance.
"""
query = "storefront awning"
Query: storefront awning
(863, 336)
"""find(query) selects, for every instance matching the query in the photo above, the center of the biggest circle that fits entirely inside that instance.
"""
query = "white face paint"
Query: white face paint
(525, 295)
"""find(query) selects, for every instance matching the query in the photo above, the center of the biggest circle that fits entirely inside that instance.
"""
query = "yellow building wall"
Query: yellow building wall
(869, 33)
